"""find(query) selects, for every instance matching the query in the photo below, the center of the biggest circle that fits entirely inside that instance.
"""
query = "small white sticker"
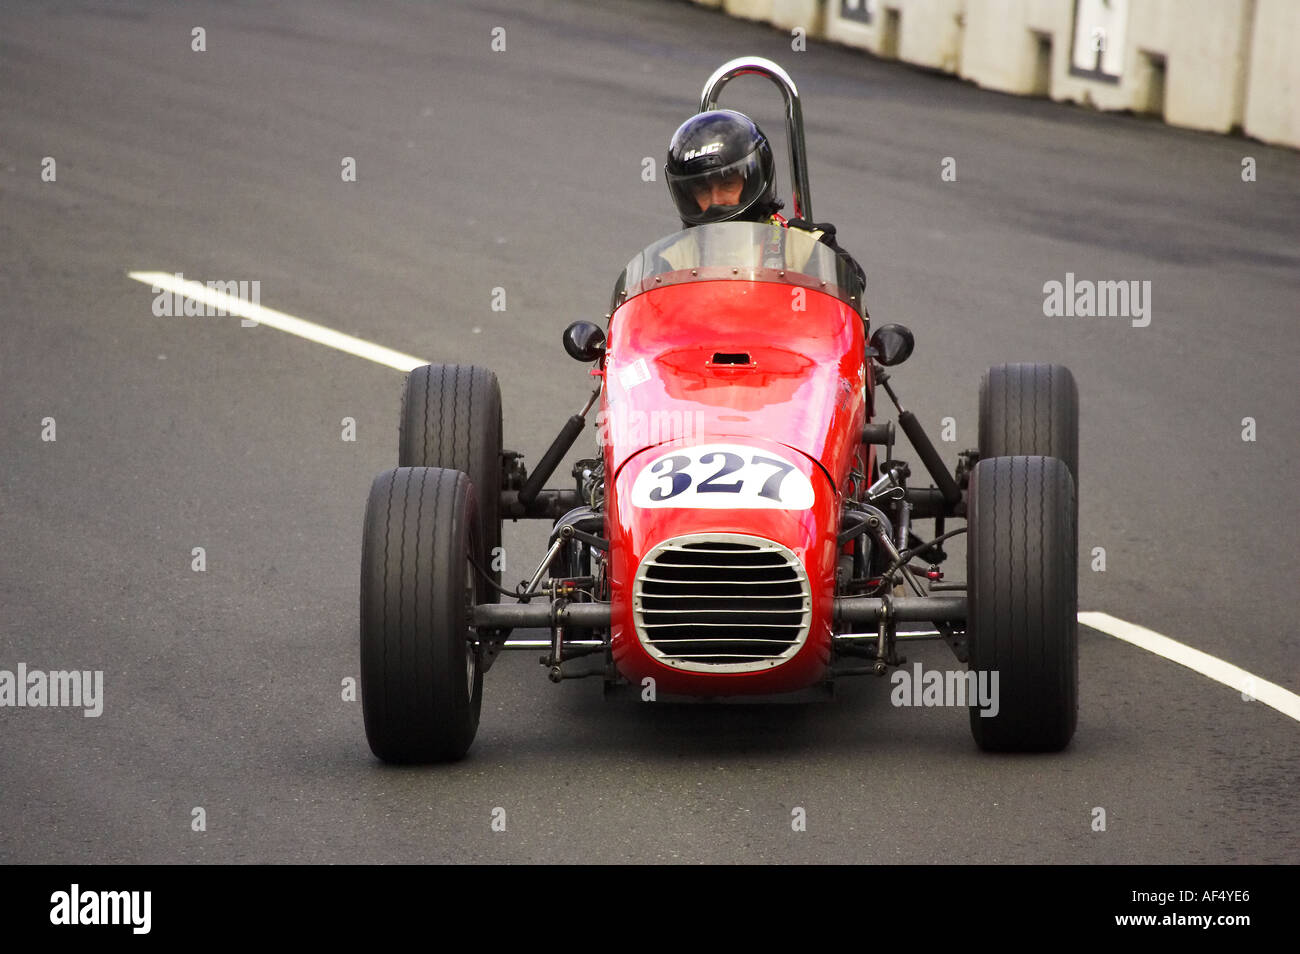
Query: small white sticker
(722, 477)
(634, 374)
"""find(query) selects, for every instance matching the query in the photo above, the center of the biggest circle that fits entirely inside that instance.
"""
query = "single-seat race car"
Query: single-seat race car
(743, 529)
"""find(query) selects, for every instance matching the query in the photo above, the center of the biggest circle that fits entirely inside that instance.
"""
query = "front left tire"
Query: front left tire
(421, 675)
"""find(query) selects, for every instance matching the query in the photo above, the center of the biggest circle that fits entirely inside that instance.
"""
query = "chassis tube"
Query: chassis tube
(912, 609)
(928, 502)
(547, 505)
(554, 454)
(544, 645)
(930, 457)
(848, 609)
(541, 614)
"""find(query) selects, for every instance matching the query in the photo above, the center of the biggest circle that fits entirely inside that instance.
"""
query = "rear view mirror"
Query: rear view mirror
(892, 344)
(584, 341)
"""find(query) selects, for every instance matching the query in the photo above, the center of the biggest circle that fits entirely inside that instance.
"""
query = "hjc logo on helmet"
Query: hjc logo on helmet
(708, 150)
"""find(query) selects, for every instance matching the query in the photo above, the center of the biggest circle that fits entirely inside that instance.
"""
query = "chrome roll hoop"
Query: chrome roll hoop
(759, 66)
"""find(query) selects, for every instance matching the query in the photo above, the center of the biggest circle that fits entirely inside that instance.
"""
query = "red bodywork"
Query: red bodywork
(803, 391)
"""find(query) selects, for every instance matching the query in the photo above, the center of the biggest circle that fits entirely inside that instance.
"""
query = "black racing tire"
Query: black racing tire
(1022, 589)
(421, 675)
(1030, 410)
(451, 417)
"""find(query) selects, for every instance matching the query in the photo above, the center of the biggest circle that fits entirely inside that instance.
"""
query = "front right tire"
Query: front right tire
(1022, 591)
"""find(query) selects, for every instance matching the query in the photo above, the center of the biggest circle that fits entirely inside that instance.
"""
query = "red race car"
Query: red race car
(744, 530)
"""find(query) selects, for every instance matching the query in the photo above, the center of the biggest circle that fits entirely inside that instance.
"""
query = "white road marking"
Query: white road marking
(280, 321)
(1271, 694)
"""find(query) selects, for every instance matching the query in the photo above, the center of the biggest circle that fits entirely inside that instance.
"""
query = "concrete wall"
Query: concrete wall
(931, 33)
(1199, 44)
(1182, 59)
(1273, 85)
(807, 14)
(749, 9)
(1216, 65)
(924, 32)
(1001, 41)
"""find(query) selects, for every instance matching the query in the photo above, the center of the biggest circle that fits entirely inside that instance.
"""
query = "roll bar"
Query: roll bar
(793, 118)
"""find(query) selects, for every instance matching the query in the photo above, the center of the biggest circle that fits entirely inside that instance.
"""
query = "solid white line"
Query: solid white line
(1271, 694)
(279, 320)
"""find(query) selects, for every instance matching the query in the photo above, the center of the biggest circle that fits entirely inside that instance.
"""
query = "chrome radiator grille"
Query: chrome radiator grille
(721, 602)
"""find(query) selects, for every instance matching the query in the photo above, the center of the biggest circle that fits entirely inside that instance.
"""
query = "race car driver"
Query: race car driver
(720, 169)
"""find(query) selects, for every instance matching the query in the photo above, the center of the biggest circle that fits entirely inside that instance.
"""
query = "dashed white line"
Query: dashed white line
(238, 307)
(1269, 693)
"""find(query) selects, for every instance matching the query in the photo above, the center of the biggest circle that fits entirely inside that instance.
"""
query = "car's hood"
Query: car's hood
(712, 361)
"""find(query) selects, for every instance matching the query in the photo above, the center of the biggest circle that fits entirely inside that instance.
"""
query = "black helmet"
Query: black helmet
(713, 146)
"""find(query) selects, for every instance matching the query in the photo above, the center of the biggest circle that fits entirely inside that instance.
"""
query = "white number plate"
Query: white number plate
(722, 477)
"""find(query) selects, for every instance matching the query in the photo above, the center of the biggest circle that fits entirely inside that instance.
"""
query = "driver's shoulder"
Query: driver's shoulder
(813, 234)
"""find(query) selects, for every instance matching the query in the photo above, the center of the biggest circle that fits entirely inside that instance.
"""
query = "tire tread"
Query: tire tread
(1025, 630)
(416, 703)
(1030, 410)
(451, 418)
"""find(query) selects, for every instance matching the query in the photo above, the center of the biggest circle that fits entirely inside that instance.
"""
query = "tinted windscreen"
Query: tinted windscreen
(748, 251)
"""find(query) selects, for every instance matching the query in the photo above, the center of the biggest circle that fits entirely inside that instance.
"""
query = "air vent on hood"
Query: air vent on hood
(730, 357)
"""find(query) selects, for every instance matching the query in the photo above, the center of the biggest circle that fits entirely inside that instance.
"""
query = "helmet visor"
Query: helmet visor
(721, 193)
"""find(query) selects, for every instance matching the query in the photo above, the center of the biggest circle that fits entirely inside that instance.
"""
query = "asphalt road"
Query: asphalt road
(521, 169)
